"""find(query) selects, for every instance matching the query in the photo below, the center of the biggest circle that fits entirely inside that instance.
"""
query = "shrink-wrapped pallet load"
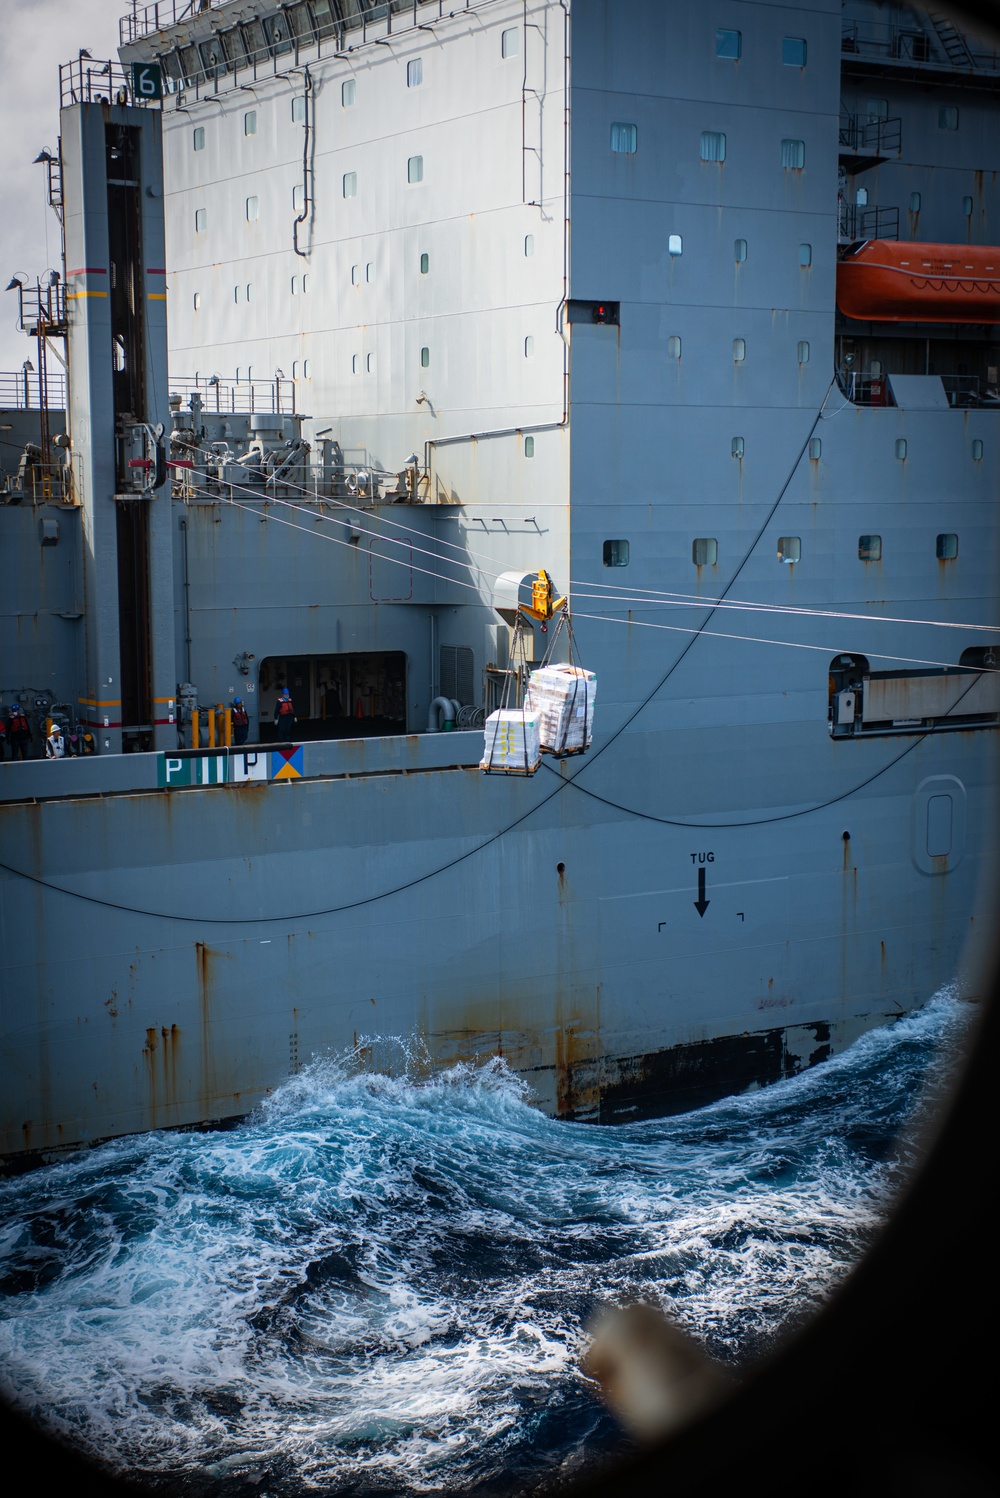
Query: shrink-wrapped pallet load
(511, 742)
(563, 698)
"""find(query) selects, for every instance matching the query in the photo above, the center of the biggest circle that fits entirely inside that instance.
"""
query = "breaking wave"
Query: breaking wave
(378, 1284)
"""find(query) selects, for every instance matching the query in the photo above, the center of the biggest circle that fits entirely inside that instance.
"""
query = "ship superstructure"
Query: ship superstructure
(454, 296)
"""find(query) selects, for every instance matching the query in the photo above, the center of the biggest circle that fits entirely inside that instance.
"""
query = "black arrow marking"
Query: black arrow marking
(701, 904)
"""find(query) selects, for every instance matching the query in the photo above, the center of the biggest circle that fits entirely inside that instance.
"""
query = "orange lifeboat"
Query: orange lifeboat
(887, 280)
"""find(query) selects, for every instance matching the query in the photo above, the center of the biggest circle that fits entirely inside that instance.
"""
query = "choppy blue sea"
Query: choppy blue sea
(376, 1285)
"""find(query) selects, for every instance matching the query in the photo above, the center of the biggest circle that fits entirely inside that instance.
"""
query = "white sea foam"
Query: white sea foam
(388, 1277)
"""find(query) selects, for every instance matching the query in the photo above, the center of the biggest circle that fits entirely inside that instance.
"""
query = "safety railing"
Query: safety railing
(908, 45)
(264, 397)
(254, 47)
(858, 222)
(20, 390)
(865, 389)
(868, 136)
(89, 80)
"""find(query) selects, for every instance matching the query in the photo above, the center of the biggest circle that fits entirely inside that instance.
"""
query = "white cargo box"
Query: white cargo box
(511, 742)
(563, 697)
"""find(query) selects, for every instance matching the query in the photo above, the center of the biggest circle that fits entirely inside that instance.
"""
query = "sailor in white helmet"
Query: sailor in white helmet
(55, 744)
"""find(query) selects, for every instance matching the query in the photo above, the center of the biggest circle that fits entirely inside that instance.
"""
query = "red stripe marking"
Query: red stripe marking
(89, 270)
(152, 270)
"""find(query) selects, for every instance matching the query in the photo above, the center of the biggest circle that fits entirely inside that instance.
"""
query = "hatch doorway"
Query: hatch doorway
(352, 696)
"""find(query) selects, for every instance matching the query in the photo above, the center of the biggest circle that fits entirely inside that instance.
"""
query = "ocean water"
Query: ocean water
(379, 1285)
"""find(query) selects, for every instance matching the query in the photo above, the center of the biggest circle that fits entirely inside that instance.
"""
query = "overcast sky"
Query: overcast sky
(38, 35)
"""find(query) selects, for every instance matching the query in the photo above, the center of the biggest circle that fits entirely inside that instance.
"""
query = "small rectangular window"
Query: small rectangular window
(914, 202)
(510, 42)
(713, 145)
(948, 117)
(616, 553)
(705, 551)
(200, 220)
(675, 244)
(249, 291)
(901, 448)
(861, 197)
(815, 447)
(355, 275)
(425, 264)
(298, 109)
(296, 286)
(673, 347)
(250, 122)
(802, 352)
(298, 196)
(348, 92)
(306, 369)
(793, 51)
(355, 363)
(739, 350)
(529, 245)
(870, 548)
(977, 449)
(529, 447)
(295, 369)
(370, 272)
(425, 357)
(789, 548)
(947, 547)
(729, 44)
(237, 293)
(253, 209)
(196, 301)
(805, 254)
(877, 109)
(415, 169)
(350, 184)
(414, 72)
(737, 447)
(370, 363)
(740, 251)
(793, 153)
(967, 207)
(529, 347)
(199, 138)
(624, 139)
(306, 282)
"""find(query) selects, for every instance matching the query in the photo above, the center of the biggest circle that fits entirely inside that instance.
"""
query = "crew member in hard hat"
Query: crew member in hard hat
(241, 721)
(284, 716)
(19, 731)
(55, 744)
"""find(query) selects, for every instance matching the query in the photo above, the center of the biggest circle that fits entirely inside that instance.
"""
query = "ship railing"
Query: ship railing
(968, 391)
(909, 45)
(274, 397)
(359, 486)
(90, 80)
(265, 45)
(38, 483)
(869, 135)
(21, 390)
(865, 389)
(857, 222)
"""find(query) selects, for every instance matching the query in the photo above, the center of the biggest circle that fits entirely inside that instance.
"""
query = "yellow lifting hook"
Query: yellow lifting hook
(543, 605)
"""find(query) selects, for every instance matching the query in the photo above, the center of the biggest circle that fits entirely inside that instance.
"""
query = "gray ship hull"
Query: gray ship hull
(281, 921)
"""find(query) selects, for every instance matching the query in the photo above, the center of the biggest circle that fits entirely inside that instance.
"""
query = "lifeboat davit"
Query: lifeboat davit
(887, 280)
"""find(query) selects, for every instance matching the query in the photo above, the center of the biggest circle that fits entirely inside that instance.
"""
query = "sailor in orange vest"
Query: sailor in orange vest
(284, 716)
(241, 721)
(19, 731)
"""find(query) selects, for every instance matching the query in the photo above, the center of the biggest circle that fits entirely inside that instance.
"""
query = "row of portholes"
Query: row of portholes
(705, 549)
(675, 247)
(739, 349)
(815, 448)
